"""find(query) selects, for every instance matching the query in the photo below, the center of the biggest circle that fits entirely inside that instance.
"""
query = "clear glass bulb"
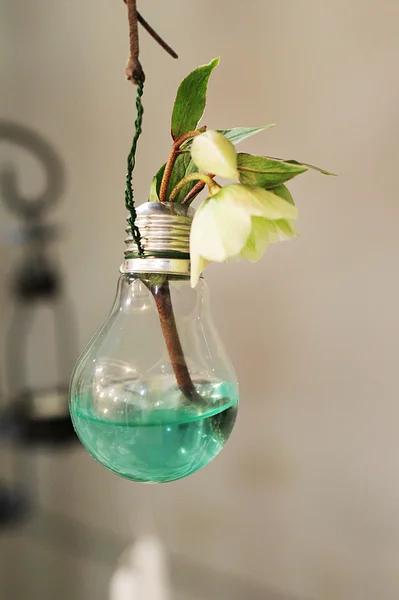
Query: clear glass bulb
(154, 396)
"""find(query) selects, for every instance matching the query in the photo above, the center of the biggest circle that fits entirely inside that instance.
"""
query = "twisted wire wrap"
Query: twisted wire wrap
(131, 162)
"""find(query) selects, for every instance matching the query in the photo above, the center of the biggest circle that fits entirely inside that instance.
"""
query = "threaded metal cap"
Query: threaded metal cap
(165, 239)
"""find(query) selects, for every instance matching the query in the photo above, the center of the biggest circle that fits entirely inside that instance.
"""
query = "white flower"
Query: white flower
(238, 221)
(213, 153)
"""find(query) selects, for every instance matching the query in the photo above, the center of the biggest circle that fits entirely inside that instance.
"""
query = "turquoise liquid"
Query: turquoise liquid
(160, 444)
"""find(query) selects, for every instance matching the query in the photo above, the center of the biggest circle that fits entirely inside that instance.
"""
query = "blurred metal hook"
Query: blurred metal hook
(51, 162)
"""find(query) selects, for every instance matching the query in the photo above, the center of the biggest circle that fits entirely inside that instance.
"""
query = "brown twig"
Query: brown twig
(195, 176)
(171, 161)
(156, 36)
(199, 186)
(167, 319)
(134, 70)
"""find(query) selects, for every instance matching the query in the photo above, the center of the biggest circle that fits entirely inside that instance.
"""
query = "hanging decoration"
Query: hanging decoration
(36, 414)
(154, 395)
(31, 414)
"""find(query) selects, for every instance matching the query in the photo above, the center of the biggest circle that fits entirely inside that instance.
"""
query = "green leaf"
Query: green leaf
(158, 178)
(234, 135)
(284, 193)
(153, 191)
(191, 99)
(182, 167)
(154, 280)
(156, 185)
(322, 171)
(265, 172)
(238, 134)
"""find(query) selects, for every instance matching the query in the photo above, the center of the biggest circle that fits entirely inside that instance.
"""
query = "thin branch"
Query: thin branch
(193, 177)
(199, 186)
(156, 36)
(195, 190)
(171, 161)
(164, 305)
(134, 70)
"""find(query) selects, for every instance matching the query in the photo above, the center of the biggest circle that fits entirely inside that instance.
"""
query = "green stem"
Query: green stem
(207, 179)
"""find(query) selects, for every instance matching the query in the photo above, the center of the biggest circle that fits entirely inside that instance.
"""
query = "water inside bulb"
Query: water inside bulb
(154, 396)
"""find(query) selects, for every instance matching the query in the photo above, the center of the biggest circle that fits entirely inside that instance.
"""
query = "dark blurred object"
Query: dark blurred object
(51, 162)
(14, 505)
(39, 415)
(36, 415)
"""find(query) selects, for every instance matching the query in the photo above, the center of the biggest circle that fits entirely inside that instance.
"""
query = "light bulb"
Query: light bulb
(154, 396)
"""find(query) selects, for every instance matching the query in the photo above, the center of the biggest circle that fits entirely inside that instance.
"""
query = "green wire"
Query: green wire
(131, 162)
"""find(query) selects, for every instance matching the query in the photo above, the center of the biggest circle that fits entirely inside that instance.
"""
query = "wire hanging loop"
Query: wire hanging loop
(135, 74)
(131, 162)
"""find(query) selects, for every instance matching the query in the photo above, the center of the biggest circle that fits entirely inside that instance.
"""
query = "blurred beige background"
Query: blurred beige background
(305, 497)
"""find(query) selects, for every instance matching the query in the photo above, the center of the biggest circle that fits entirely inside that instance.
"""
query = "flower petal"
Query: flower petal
(258, 239)
(219, 230)
(197, 265)
(265, 232)
(281, 230)
(258, 202)
(238, 221)
(213, 153)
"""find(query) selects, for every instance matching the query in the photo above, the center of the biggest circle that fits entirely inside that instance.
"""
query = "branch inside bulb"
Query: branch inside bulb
(163, 301)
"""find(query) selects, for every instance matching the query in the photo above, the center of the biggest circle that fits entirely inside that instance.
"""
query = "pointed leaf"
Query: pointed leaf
(238, 134)
(234, 135)
(284, 193)
(153, 191)
(322, 171)
(182, 167)
(191, 99)
(158, 178)
(258, 239)
(266, 172)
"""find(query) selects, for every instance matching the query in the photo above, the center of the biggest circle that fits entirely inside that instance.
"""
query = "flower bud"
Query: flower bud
(213, 153)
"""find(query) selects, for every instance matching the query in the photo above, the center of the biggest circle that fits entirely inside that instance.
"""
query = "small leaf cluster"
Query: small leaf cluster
(262, 171)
